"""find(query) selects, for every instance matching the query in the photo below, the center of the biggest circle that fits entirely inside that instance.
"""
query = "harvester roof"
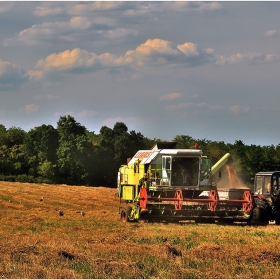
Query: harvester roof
(268, 173)
(146, 156)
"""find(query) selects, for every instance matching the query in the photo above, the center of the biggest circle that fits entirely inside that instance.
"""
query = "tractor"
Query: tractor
(266, 198)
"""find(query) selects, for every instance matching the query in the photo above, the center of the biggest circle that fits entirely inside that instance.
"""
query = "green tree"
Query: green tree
(116, 145)
(41, 144)
(75, 151)
(14, 136)
(13, 151)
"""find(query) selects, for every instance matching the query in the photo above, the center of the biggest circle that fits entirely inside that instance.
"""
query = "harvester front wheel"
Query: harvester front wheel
(125, 213)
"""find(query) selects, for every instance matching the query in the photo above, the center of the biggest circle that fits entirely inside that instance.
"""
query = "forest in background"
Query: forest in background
(70, 154)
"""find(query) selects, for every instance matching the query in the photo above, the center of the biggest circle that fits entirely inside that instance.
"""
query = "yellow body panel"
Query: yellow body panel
(128, 192)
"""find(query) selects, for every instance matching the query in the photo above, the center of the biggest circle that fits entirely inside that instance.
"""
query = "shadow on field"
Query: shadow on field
(228, 222)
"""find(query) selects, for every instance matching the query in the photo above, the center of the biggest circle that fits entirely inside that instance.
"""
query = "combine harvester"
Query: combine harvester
(169, 184)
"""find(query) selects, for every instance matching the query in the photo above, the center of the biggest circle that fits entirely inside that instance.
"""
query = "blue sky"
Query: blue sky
(204, 69)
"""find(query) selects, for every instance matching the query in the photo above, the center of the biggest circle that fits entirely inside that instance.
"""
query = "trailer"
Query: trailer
(169, 184)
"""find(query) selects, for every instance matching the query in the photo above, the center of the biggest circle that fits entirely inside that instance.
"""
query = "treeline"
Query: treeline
(70, 154)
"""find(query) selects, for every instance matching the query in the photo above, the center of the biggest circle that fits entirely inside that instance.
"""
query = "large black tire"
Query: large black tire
(258, 217)
(125, 213)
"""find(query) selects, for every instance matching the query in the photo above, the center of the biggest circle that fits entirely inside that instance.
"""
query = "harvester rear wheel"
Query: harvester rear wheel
(258, 217)
(143, 198)
(247, 206)
(213, 204)
(125, 212)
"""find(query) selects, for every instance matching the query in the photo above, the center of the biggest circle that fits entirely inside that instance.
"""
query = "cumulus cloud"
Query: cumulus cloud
(11, 76)
(248, 58)
(152, 52)
(75, 61)
(171, 96)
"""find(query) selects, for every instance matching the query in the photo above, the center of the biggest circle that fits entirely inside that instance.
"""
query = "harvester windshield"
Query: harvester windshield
(175, 171)
(184, 171)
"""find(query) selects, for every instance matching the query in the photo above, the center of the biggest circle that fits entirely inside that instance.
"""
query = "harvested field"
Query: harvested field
(36, 242)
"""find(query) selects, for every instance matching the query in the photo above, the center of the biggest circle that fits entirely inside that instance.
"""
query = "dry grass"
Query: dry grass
(35, 242)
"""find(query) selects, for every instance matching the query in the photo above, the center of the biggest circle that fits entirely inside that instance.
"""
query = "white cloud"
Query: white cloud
(152, 52)
(248, 58)
(272, 33)
(80, 22)
(47, 32)
(236, 109)
(171, 96)
(5, 6)
(30, 108)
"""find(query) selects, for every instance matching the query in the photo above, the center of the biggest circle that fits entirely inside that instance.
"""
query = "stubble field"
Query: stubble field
(35, 242)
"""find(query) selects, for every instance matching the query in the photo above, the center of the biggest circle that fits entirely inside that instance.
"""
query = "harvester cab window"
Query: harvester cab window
(184, 171)
(160, 170)
(205, 168)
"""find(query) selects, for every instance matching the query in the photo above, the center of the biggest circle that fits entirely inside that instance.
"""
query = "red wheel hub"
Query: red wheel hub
(179, 199)
(143, 198)
(247, 206)
(213, 195)
(123, 217)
